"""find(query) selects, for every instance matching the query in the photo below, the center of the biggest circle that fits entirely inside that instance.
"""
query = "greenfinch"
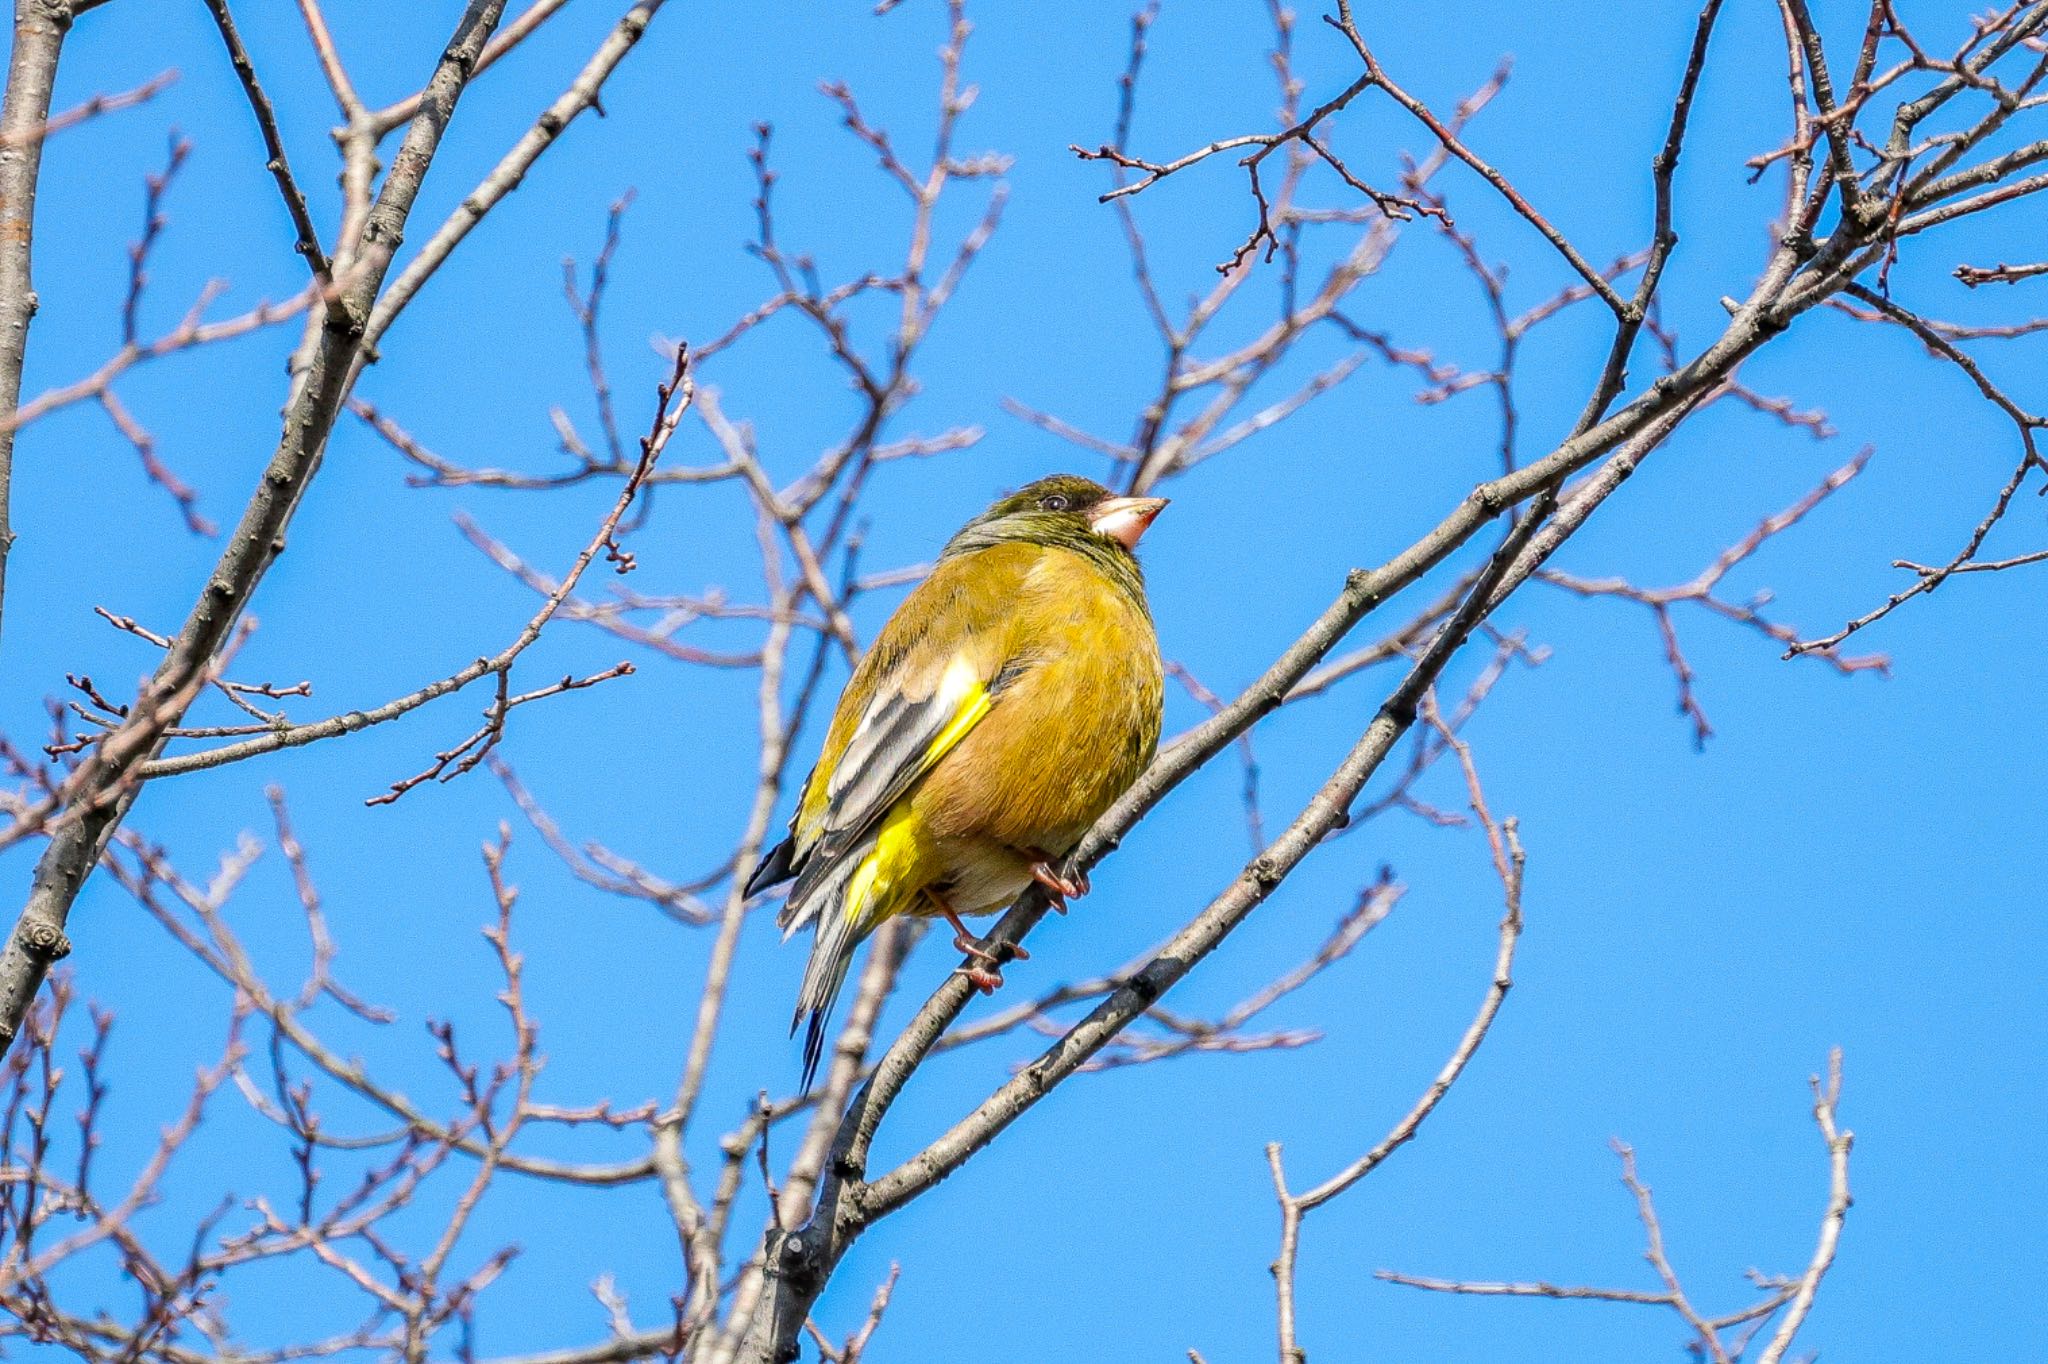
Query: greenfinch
(1009, 700)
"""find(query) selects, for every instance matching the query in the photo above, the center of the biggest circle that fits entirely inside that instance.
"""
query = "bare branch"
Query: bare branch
(581, 95)
(673, 399)
(103, 786)
(1827, 1098)
(1508, 861)
(94, 108)
(273, 142)
(1978, 275)
(39, 30)
(1792, 1296)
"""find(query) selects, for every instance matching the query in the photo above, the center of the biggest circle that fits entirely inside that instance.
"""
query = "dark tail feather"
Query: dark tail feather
(814, 1048)
(774, 869)
(838, 934)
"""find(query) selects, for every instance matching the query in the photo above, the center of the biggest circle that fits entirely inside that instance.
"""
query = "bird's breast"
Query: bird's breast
(1076, 720)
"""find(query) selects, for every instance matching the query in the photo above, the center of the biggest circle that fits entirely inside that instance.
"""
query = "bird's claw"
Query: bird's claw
(1059, 888)
(981, 978)
(985, 968)
(979, 948)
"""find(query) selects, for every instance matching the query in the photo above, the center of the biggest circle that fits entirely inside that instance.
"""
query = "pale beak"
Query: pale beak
(1124, 519)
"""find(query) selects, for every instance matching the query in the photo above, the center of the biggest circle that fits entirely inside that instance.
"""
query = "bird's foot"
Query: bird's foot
(985, 963)
(981, 950)
(982, 978)
(1059, 887)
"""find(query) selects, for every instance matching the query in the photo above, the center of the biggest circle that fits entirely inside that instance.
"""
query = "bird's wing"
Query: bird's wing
(933, 673)
(905, 692)
(899, 737)
(907, 727)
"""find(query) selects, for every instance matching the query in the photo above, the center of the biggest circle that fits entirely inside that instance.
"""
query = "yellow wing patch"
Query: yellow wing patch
(886, 871)
(898, 740)
(891, 864)
(972, 707)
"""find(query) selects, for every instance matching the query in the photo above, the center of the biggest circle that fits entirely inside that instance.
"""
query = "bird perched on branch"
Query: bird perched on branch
(1010, 699)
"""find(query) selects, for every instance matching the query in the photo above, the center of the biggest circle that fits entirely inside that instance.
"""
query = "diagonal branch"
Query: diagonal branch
(99, 792)
(796, 1264)
(675, 398)
(1451, 142)
(266, 122)
(511, 169)
(1508, 860)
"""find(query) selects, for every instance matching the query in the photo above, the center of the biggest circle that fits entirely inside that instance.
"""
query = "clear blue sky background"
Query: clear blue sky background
(1850, 861)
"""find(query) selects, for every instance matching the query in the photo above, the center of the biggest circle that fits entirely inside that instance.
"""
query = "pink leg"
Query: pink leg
(987, 970)
(1060, 887)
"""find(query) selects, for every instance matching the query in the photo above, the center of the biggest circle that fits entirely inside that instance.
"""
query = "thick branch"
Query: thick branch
(101, 789)
(39, 29)
(797, 1264)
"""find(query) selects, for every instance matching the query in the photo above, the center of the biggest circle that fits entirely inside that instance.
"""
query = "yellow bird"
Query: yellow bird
(1010, 699)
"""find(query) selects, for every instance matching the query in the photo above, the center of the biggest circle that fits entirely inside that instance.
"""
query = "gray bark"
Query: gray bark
(99, 793)
(39, 29)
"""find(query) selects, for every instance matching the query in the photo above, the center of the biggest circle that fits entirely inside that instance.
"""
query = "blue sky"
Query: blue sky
(1846, 863)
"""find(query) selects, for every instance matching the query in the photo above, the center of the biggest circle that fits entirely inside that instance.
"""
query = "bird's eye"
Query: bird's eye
(1053, 502)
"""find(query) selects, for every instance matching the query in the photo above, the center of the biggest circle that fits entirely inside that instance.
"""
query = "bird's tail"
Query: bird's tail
(831, 958)
(847, 906)
(778, 866)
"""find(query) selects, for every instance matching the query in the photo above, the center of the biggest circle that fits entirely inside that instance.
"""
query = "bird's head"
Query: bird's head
(1065, 510)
